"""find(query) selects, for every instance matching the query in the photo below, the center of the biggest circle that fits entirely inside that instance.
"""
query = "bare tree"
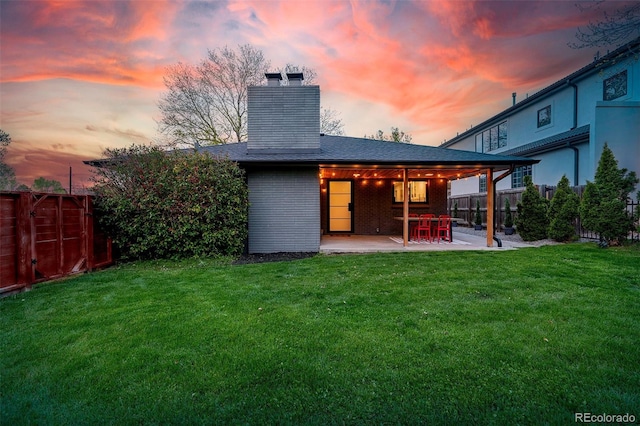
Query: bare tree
(615, 28)
(206, 104)
(330, 122)
(396, 135)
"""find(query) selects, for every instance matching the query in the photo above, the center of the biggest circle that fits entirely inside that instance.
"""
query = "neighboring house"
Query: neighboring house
(565, 125)
(303, 184)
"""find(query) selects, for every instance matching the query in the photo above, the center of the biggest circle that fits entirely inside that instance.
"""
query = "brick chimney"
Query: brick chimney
(283, 119)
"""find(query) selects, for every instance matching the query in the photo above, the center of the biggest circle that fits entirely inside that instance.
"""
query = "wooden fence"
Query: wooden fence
(467, 208)
(47, 236)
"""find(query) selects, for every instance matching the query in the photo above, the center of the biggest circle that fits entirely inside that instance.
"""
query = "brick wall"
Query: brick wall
(283, 211)
(284, 118)
(374, 210)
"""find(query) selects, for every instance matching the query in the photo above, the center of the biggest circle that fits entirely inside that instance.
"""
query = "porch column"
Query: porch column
(490, 199)
(405, 208)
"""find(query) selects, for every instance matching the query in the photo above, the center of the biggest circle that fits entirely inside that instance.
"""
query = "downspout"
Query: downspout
(576, 163)
(575, 103)
(495, 206)
(576, 152)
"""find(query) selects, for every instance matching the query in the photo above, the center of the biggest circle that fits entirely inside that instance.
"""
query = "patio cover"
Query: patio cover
(347, 154)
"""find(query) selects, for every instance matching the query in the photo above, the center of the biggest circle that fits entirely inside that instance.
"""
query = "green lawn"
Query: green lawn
(511, 337)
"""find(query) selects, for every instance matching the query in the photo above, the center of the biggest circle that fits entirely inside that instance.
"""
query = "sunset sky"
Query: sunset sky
(77, 77)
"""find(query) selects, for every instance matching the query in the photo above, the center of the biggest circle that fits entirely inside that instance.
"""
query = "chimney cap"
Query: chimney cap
(272, 75)
(273, 78)
(295, 78)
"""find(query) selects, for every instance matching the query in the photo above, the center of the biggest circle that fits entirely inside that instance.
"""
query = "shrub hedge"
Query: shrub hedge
(158, 204)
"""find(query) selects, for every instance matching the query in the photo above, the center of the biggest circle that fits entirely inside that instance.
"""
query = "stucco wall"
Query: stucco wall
(615, 122)
(618, 125)
(284, 210)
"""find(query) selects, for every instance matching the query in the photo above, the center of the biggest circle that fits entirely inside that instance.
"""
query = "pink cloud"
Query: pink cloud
(31, 162)
(85, 40)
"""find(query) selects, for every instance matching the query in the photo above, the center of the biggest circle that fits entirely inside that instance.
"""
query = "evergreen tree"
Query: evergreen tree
(604, 203)
(531, 221)
(563, 211)
(478, 218)
(508, 218)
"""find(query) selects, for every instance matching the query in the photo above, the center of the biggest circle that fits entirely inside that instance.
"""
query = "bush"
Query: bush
(158, 204)
(531, 220)
(604, 203)
(563, 211)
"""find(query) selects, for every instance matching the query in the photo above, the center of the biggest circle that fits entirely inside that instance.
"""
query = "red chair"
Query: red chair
(413, 227)
(444, 228)
(424, 226)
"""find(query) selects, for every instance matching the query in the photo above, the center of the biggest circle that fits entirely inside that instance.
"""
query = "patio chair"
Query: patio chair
(424, 226)
(413, 227)
(444, 228)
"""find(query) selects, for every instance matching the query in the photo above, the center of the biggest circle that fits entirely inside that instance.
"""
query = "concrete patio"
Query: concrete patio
(393, 243)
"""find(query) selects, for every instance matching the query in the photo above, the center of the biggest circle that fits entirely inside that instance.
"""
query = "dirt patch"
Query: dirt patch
(272, 257)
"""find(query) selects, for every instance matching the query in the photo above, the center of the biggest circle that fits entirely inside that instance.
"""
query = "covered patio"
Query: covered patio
(371, 199)
(349, 243)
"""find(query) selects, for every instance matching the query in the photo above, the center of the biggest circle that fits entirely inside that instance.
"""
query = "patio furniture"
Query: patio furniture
(444, 228)
(424, 226)
(413, 226)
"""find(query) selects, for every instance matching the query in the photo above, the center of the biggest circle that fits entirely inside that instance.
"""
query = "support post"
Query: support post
(405, 208)
(490, 206)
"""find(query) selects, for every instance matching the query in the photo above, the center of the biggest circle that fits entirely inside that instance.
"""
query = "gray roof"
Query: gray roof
(577, 135)
(341, 150)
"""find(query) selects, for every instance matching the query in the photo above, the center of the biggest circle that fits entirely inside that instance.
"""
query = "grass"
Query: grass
(514, 337)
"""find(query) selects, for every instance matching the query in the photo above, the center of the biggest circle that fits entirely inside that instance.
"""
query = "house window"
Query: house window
(418, 192)
(615, 86)
(517, 177)
(493, 138)
(483, 183)
(544, 116)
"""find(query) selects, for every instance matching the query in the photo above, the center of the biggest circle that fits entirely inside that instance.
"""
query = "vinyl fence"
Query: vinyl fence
(467, 208)
(47, 236)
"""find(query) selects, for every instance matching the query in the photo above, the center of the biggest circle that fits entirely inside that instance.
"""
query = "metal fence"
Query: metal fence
(47, 236)
(467, 208)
